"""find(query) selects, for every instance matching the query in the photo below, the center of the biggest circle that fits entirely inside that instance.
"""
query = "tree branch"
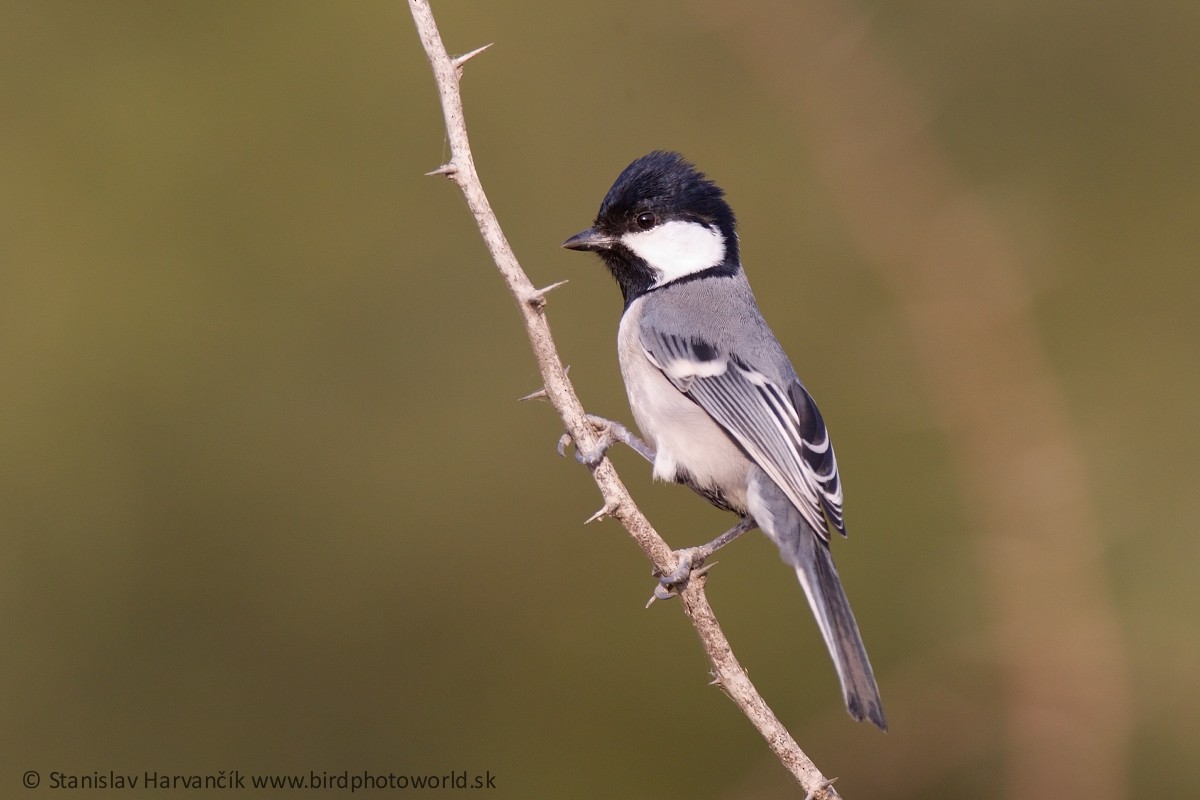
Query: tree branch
(618, 503)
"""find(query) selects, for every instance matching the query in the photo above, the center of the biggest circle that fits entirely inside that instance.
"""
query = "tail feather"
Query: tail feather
(800, 547)
(819, 579)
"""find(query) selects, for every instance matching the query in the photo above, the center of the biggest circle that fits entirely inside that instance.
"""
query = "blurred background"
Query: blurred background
(268, 501)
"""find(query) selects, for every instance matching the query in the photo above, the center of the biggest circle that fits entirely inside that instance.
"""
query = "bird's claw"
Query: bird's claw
(588, 456)
(693, 562)
(689, 563)
(608, 433)
(683, 568)
(563, 442)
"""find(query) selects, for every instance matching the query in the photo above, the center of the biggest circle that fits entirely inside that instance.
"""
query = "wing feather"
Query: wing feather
(778, 426)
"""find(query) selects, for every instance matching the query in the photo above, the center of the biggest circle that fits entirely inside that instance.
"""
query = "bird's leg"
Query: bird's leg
(610, 432)
(690, 560)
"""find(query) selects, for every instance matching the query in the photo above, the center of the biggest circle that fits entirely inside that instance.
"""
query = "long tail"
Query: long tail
(809, 555)
(821, 584)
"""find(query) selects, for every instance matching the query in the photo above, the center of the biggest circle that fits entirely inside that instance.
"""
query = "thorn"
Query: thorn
(448, 168)
(820, 788)
(537, 395)
(608, 509)
(541, 393)
(465, 57)
(537, 298)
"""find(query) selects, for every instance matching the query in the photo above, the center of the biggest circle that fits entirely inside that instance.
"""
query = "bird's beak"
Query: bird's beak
(591, 239)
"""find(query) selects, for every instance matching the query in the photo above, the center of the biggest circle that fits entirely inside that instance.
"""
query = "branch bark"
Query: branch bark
(618, 503)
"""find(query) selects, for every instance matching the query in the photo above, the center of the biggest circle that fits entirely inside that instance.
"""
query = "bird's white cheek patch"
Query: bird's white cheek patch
(676, 249)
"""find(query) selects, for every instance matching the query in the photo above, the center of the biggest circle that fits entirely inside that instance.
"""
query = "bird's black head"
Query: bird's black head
(662, 221)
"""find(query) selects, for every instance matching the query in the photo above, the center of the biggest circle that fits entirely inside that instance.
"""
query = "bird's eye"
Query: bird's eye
(646, 221)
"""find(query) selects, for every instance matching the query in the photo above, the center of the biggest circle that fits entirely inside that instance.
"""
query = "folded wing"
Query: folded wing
(779, 427)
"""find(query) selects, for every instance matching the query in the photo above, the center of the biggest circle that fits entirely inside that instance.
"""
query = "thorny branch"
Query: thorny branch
(618, 503)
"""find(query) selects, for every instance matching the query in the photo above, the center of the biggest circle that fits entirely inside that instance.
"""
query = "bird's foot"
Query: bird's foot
(609, 432)
(673, 582)
(691, 562)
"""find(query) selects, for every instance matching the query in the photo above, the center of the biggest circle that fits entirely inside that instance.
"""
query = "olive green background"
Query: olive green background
(267, 499)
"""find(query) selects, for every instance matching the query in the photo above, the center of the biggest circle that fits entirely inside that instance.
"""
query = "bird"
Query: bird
(714, 394)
